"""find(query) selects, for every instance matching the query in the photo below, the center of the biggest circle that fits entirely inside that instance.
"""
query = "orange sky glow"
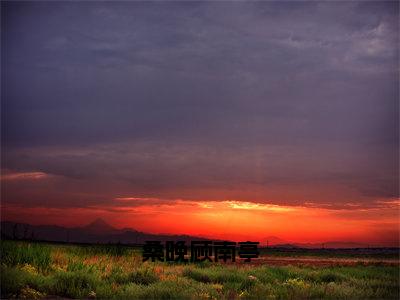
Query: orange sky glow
(235, 220)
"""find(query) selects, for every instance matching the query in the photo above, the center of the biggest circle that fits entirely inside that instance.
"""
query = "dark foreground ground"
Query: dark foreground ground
(43, 270)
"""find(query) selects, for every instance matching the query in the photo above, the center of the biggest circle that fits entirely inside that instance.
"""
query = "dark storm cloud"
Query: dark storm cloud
(166, 98)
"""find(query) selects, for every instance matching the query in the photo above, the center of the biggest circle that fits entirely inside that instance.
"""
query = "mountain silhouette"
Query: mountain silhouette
(332, 245)
(100, 227)
(97, 231)
(272, 240)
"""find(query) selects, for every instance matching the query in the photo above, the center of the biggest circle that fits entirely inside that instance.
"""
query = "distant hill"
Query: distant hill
(333, 245)
(97, 231)
(272, 241)
(100, 227)
(287, 246)
(276, 242)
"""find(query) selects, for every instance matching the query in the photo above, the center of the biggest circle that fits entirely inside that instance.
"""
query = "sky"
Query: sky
(223, 119)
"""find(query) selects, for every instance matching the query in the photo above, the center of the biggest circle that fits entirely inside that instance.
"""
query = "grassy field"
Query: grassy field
(38, 270)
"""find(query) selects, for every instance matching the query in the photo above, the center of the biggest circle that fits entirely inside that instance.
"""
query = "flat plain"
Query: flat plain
(36, 270)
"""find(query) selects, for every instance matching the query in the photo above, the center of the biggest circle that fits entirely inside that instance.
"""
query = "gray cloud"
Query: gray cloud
(267, 174)
(171, 99)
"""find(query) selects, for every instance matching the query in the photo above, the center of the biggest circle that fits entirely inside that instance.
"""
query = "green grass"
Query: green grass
(107, 249)
(34, 270)
(329, 253)
(37, 255)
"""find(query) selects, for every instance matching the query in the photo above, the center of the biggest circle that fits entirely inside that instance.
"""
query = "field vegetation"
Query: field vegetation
(40, 270)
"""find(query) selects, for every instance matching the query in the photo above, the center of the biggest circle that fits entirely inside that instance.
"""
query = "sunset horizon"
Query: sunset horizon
(225, 219)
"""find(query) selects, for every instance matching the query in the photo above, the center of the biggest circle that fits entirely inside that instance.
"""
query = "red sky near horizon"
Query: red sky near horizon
(227, 219)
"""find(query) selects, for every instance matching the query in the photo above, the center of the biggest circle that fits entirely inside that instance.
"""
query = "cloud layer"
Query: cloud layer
(279, 103)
